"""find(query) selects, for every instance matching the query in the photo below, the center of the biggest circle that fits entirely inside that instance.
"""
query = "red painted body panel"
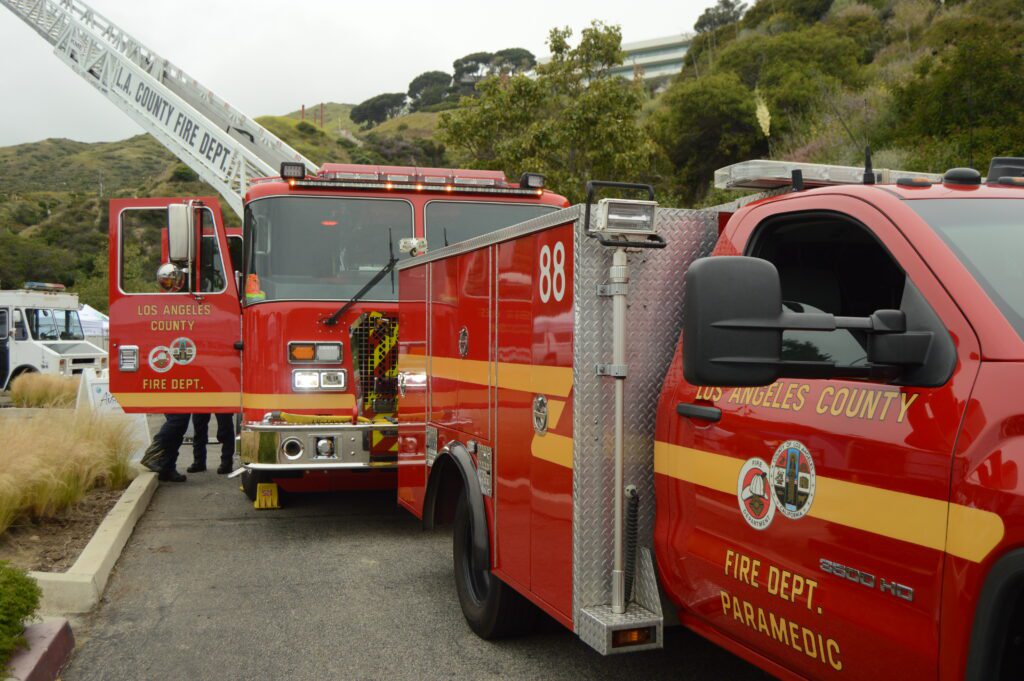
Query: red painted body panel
(487, 396)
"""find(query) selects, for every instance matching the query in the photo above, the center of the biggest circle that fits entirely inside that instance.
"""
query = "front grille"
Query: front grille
(375, 360)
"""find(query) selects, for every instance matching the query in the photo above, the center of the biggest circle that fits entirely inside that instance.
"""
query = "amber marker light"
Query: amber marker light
(449, 188)
(388, 186)
(301, 352)
(632, 637)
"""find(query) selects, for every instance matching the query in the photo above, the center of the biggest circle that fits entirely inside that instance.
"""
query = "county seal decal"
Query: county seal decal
(792, 479)
(752, 491)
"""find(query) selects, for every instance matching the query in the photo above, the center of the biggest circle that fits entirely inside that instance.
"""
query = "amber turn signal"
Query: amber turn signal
(301, 352)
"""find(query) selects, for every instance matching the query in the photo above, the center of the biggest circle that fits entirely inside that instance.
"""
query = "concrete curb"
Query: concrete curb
(80, 588)
(50, 644)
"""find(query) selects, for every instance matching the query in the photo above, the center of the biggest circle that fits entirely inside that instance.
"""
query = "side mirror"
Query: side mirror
(170, 278)
(733, 322)
(719, 292)
(180, 232)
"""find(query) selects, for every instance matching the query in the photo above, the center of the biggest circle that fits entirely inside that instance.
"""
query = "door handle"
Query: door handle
(237, 345)
(700, 412)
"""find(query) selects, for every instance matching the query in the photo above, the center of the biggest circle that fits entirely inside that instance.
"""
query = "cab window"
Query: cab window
(829, 263)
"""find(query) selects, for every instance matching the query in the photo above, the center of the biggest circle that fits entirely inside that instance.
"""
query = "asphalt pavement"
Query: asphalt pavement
(334, 586)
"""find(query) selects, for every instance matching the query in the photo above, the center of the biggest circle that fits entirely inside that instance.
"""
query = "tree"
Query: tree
(575, 121)
(707, 123)
(469, 71)
(722, 14)
(378, 109)
(428, 88)
(512, 60)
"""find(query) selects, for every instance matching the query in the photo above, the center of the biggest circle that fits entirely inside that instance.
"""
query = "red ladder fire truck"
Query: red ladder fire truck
(804, 448)
(298, 333)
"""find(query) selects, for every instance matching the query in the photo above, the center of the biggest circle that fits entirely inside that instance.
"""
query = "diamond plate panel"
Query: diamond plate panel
(596, 624)
(654, 321)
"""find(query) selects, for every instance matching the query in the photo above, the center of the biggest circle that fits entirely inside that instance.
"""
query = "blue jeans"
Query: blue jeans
(169, 439)
(225, 436)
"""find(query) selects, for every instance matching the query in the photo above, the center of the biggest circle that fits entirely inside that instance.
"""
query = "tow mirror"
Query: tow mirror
(734, 320)
(719, 292)
(180, 232)
(170, 278)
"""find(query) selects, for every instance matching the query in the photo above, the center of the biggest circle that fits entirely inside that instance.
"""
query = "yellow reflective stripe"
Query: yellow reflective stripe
(554, 448)
(164, 399)
(555, 408)
(972, 532)
(274, 402)
(511, 375)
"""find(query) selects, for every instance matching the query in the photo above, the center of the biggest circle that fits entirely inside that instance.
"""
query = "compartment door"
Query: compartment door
(173, 343)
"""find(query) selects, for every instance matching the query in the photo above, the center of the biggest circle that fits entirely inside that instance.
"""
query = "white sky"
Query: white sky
(243, 51)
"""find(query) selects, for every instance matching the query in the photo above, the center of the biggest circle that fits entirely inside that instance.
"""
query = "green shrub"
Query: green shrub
(183, 173)
(305, 128)
(19, 600)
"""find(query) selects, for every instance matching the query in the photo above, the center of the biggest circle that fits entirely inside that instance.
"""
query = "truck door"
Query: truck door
(811, 516)
(173, 338)
(5, 332)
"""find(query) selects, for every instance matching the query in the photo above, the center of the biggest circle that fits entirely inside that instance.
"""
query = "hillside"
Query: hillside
(806, 80)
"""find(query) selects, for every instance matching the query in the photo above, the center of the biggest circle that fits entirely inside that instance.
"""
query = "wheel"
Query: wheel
(250, 479)
(492, 608)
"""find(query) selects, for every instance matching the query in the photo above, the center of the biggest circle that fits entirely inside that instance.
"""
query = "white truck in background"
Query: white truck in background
(40, 331)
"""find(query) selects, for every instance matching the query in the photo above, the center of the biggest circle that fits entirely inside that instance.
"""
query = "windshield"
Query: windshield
(988, 237)
(312, 248)
(448, 222)
(54, 324)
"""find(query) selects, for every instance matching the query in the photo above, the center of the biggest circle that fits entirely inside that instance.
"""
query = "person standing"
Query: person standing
(161, 456)
(201, 435)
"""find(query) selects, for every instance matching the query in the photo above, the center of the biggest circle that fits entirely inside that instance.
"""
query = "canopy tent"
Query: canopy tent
(95, 324)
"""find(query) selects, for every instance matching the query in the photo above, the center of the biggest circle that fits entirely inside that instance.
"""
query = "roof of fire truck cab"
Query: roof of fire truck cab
(999, 341)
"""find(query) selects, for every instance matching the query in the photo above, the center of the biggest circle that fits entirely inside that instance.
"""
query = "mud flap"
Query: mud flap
(266, 496)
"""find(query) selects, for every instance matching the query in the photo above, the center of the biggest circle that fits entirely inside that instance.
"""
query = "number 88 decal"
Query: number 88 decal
(552, 272)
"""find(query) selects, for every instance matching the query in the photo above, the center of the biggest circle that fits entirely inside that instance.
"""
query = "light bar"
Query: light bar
(424, 187)
(40, 286)
(476, 181)
(764, 174)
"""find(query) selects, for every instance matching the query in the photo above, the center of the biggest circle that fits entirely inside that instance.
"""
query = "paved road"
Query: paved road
(334, 586)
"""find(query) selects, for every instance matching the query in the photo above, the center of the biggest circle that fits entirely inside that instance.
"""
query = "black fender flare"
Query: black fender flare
(1000, 594)
(456, 456)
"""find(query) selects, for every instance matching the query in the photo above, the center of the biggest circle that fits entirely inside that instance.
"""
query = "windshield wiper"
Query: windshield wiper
(383, 272)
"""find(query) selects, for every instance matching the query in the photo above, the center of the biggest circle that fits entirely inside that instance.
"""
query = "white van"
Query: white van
(40, 331)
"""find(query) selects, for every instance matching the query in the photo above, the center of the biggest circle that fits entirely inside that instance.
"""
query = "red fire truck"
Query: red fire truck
(298, 332)
(804, 448)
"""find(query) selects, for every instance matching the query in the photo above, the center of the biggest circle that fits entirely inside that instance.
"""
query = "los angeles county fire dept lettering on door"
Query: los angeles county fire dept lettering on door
(181, 351)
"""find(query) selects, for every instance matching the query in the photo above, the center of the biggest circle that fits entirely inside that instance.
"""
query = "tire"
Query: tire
(250, 480)
(491, 608)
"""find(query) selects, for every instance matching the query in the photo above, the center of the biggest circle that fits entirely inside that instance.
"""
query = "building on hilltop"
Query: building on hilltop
(655, 60)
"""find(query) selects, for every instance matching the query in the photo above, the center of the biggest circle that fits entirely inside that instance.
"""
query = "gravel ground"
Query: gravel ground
(333, 586)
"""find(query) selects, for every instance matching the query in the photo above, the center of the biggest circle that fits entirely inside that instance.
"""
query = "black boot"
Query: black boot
(224, 468)
(196, 467)
(172, 476)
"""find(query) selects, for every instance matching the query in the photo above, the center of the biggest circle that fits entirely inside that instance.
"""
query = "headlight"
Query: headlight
(332, 380)
(305, 380)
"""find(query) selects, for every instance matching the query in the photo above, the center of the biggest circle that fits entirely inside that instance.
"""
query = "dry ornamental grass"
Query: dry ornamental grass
(49, 461)
(43, 390)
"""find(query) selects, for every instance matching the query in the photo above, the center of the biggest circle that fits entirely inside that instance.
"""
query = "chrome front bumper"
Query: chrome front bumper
(278, 446)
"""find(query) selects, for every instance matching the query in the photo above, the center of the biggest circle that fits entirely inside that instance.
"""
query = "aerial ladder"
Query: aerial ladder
(226, 148)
